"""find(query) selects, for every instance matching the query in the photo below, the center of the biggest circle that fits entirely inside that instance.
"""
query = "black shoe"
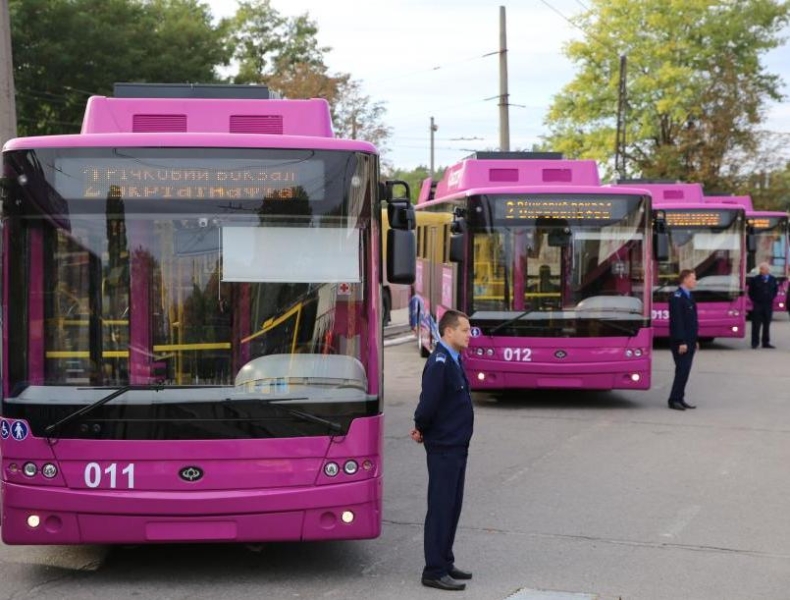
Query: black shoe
(754, 346)
(459, 574)
(445, 582)
(768, 346)
(676, 406)
(687, 406)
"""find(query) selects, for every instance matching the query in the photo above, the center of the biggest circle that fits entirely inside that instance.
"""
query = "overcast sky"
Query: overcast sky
(425, 58)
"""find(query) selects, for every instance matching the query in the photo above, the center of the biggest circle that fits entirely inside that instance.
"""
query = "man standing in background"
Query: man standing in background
(683, 330)
(763, 288)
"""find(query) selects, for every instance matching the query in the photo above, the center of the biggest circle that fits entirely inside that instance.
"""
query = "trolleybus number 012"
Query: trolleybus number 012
(517, 354)
(94, 475)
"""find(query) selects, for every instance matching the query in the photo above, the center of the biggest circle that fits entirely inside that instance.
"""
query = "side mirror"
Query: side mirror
(751, 243)
(401, 256)
(400, 214)
(457, 247)
(661, 246)
(560, 237)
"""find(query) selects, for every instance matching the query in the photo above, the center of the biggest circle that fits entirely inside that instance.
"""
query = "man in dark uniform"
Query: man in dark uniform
(683, 329)
(443, 422)
(763, 288)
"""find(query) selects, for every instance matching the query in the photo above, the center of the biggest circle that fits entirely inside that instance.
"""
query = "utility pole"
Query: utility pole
(434, 128)
(7, 102)
(504, 119)
(619, 147)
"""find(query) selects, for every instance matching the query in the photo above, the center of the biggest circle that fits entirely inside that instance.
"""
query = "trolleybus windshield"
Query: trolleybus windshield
(709, 242)
(214, 286)
(558, 265)
(771, 242)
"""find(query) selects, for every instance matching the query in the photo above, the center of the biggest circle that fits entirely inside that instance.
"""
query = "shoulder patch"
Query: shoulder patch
(441, 357)
(678, 294)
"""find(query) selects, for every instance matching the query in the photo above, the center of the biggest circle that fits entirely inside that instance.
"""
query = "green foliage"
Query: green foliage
(414, 178)
(695, 86)
(67, 50)
(266, 43)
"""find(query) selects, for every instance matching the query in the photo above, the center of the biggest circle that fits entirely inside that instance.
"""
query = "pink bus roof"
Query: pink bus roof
(511, 175)
(218, 122)
(746, 202)
(666, 194)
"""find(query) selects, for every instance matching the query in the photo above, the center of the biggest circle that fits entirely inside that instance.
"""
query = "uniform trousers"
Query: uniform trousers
(761, 318)
(682, 371)
(446, 473)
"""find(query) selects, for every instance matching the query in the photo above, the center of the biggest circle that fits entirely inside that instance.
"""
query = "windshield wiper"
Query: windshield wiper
(299, 414)
(51, 430)
(305, 416)
(509, 322)
(631, 331)
(719, 294)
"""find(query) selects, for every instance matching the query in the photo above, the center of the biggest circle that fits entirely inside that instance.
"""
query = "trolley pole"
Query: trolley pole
(7, 101)
(434, 128)
(504, 118)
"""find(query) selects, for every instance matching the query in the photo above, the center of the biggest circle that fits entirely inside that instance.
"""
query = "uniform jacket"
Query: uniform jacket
(683, 323)
(763, 292)
(444, 414)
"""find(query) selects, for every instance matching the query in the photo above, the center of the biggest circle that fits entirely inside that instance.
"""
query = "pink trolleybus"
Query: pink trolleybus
(769, 231)
(191, 328)
(550, 266)
(708, 238)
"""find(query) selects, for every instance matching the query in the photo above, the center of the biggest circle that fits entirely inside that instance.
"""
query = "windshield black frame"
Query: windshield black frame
(567, 227)
(719, 279)
(288, 318)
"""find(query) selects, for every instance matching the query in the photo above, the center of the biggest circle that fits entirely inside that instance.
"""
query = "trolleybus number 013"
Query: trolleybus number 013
(517, 354)
(660, 315)
(94, 475)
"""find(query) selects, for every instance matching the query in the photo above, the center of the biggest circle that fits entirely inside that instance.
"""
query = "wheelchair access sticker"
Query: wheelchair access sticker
(5, 429)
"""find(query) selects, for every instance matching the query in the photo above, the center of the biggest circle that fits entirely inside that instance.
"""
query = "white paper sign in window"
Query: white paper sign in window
(290, 254)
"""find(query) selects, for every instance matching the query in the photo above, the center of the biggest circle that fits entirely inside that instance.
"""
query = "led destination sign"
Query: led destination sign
(701, 218)
(193, 179)
(563, 208)
(760, 223)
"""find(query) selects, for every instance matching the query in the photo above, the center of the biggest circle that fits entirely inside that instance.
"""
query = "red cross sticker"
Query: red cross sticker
(343, 289)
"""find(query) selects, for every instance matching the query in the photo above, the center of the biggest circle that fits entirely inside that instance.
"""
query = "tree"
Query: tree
(266, 43)
(696, 88)
(284, 53)
(67, 50)
(414, 178)
(356, 116)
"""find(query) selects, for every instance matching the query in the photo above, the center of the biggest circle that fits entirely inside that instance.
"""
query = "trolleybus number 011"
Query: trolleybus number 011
(94, 474)
(517, 354)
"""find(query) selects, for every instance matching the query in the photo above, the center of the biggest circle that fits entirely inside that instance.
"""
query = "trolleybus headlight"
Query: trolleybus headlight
(481, 376)
(635, 377)
(13, 468)
(347, 516)
(367, 464)
(479, 351)
(33, 521)
(30, 469)
(629, 353)
(638, 352)
(49, 470)
(331, 469)
(350, 467)
(735, 329)
(490, 352)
